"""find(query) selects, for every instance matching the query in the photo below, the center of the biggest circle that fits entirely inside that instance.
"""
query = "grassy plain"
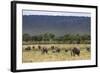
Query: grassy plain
(35, 55)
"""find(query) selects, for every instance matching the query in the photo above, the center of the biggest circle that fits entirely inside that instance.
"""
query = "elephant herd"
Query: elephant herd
(44, 50)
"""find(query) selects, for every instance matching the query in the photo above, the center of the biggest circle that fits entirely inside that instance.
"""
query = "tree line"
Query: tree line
(52, 38)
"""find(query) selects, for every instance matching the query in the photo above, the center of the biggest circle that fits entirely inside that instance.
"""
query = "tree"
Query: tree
(86, 39)
(67, 37)
(48, 36)
(51, 36)
(45, 37)
(37, 38)
(26, 37)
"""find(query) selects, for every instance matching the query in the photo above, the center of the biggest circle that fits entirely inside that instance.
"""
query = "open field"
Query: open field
(35, 55)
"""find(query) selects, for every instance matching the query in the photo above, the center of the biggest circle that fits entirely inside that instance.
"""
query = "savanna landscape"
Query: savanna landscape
(50, 50)
(49, 38)
(35, 55)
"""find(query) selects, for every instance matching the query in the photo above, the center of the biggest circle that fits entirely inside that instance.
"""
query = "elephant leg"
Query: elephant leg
(71, 53)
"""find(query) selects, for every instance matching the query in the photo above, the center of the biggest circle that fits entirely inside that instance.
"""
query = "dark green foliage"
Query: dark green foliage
(26, 37)
(51, 38)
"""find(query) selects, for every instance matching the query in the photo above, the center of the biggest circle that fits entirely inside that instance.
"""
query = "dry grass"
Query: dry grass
(37, 56)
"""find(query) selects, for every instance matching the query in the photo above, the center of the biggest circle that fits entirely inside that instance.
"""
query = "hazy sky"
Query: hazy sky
(58, 23)
(55, 13)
